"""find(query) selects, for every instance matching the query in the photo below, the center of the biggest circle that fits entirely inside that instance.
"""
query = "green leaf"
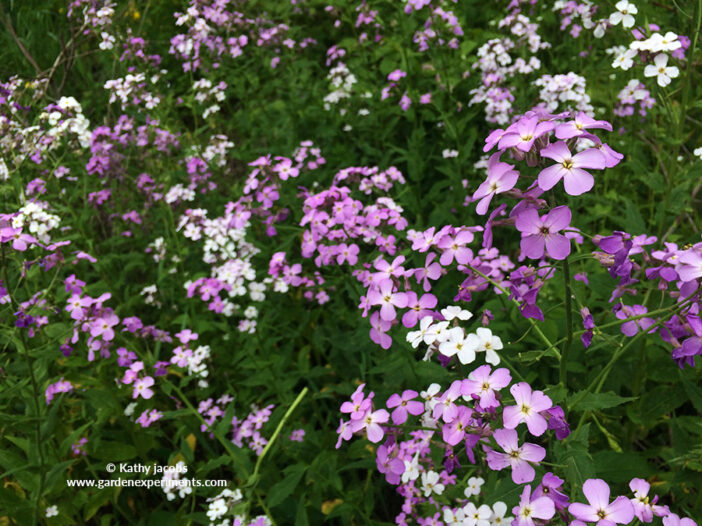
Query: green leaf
(597, 401)
(280, 491)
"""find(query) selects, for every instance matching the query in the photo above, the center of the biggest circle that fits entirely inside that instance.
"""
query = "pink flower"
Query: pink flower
(404, 404)
(418, 308)
(576, 180)
(431, 270)
(675, 520)
(523, 133)
(454, 247)
(371, 423)
(530, 509)
(379, 329)
(186, 335)
(501, 178)
(645, 507)
(516, 457)
(600, 510)
(103, 326)
(543, 232)
(455, 431)
(483, 384)
(348, 253)
(527, 409)
(385, 296)
(77, 306)
(141, 388)
(577, 126)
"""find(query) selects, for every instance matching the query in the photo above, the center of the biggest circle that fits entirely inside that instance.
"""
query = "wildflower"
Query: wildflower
(519, 458)
(499, 509)
(483, 384)
(527, 409)
(404, 404)
(431, 484)
(579, 125)
(624, 14)
(473, 487)
(501, 178)
(539, 233)
(600, 510)
(141, 388)
(51, 511)
(570, 168)
(661, 70)
(645, 507)
(532, 508)
(483, 341)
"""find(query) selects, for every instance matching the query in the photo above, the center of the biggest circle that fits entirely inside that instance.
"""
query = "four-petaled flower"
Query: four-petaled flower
(570, 168)
(600, 510)
(541, 233)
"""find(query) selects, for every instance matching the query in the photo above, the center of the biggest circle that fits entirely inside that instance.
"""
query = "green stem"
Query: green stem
(277, 431)
(536, 328)
(569, 323)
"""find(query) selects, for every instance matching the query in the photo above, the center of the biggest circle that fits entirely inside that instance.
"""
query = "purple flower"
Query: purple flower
(516, 457)
(539, 232)
(600, 510)
(645, 507)
(418, 308)
(404, 404)
(371, 423)
(577, 126)
(632, 327)
(527, 409)
(532, 508)
(556, 421)
(523, 133)
(501, 178)
(549, 488)
(378, 332)
(483, 384)
(576, 180)
(675, 520)
(455, 431)
(385, 296)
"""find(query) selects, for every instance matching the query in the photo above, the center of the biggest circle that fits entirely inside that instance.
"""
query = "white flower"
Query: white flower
(624, 14)
(484, 340)
(455, 343)
(416, 337)
(698, 152)
(457, 517)
(435, 332)
(625, 60)
(429, 396)
(600, 28)
(431, 484)
(661, 70)
(449, 153)
(129, 410)
(451, 312)
(477, 516)
(498, 515)
(411, 471)
(51, 511)
(669, 42)
(474, 485)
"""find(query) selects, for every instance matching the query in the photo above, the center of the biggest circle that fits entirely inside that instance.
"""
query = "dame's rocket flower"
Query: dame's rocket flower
(570, 168)
(539, 233)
